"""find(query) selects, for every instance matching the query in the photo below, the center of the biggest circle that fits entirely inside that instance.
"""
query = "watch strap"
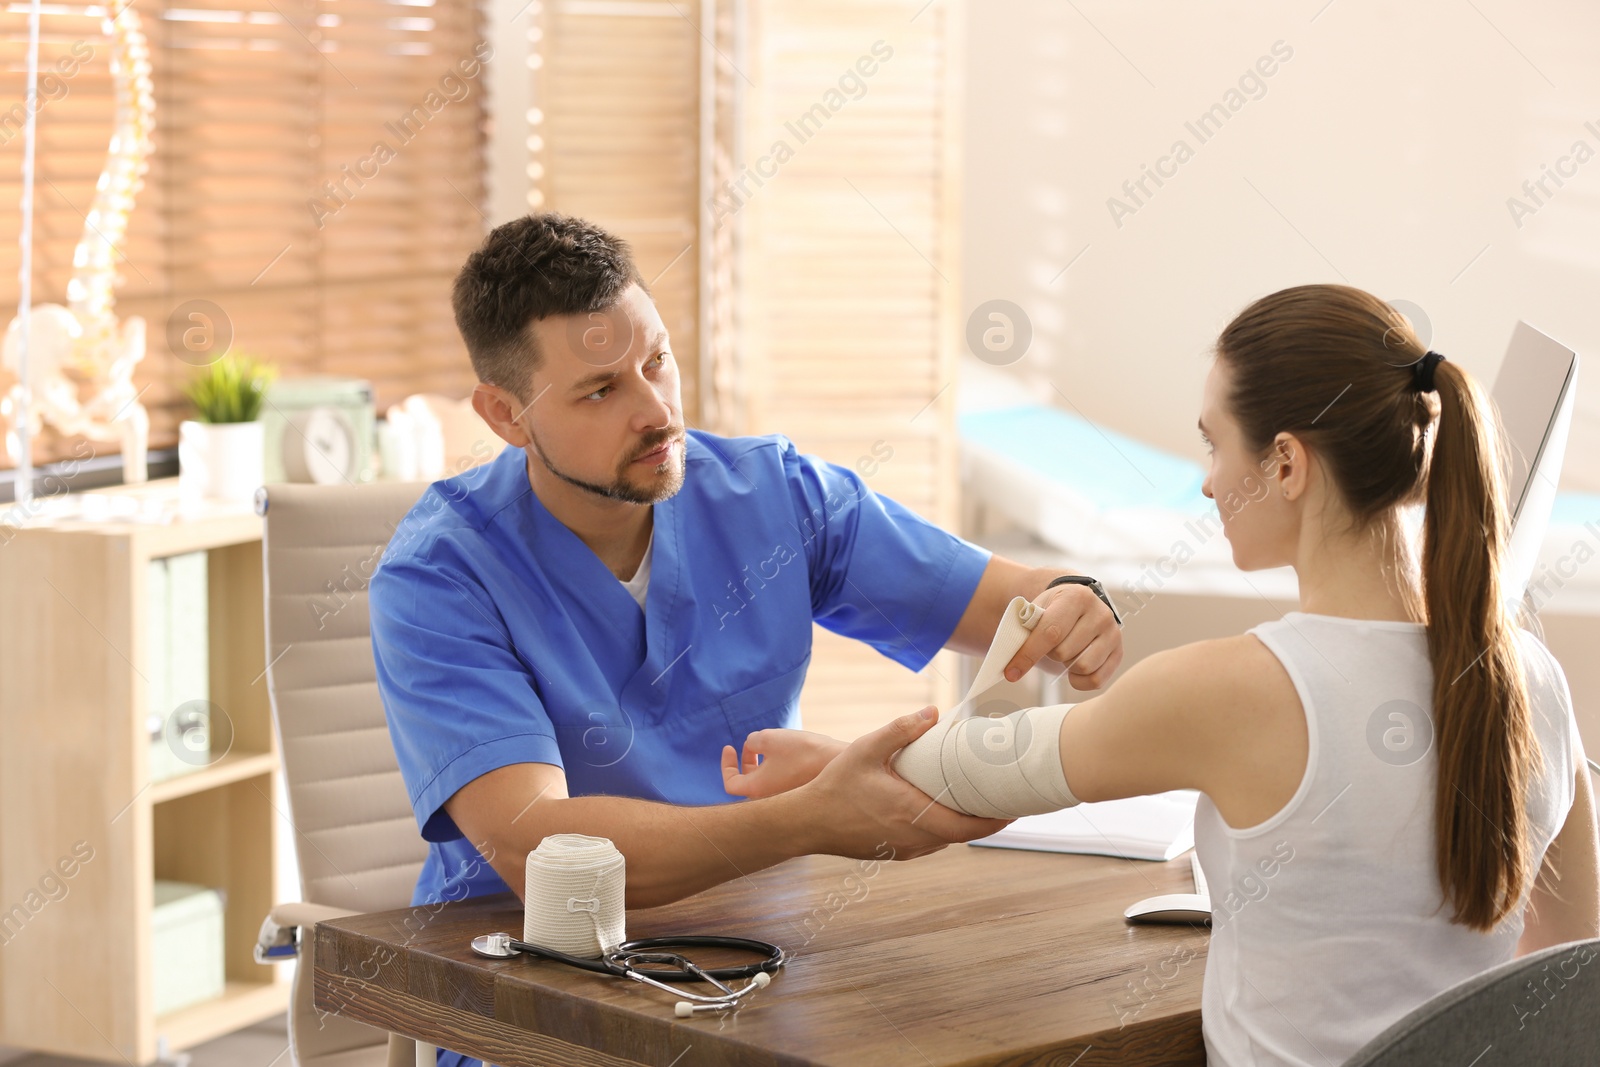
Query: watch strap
(1094, 587)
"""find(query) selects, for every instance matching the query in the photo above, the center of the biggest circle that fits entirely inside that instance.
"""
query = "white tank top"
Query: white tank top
(1327, 918)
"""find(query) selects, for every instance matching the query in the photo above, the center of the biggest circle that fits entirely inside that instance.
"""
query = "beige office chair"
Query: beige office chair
(354, 833)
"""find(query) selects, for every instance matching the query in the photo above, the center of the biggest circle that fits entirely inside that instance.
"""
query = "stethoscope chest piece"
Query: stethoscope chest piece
(494, 947)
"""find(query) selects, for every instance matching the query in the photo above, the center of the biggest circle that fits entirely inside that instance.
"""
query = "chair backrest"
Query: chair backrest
(1540, 1008)
(355, 836)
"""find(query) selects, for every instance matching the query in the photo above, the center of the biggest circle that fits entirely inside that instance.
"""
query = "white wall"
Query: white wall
(1381, 154)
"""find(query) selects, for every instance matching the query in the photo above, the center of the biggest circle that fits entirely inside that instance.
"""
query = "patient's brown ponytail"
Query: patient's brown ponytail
(1333, 365)
(1483, 726)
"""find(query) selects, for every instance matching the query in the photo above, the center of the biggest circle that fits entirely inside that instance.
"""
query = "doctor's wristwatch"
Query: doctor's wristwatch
(1094, 586)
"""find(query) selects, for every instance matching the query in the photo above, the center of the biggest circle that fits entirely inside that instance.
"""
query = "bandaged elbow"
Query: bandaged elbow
(998, 768)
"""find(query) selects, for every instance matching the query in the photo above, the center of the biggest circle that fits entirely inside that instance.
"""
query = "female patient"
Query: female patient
(1398, 754)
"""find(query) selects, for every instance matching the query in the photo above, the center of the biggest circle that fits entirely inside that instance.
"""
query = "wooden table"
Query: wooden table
(970, 956)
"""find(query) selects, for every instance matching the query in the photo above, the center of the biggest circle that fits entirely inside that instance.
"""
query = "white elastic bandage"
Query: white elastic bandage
(999, 768)
(574, 895)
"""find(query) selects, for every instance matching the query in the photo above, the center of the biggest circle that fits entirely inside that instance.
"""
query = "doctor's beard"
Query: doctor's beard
(622, 487)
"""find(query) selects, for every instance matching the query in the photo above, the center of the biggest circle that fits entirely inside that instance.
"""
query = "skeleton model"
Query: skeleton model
(80, 358)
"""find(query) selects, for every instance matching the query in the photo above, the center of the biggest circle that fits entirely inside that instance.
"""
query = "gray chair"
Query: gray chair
(1543, 1008)
(354, 835)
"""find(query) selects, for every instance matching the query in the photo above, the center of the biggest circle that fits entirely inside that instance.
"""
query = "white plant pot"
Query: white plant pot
(220, 461)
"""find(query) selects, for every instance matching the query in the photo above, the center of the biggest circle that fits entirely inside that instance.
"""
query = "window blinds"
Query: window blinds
(316, 181)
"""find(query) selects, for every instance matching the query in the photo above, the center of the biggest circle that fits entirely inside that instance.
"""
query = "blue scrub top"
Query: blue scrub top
(501, 638)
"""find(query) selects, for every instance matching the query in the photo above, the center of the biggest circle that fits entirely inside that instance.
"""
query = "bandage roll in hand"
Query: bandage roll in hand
(1016, 623)
(1000, 768)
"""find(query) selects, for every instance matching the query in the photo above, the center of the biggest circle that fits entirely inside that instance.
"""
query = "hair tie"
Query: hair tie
(1422, 372)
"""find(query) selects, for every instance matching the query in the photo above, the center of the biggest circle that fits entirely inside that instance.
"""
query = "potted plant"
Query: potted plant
(220, 449)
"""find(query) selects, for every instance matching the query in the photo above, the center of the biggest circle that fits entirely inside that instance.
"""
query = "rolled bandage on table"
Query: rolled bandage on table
(575, 893)
(1000, 768)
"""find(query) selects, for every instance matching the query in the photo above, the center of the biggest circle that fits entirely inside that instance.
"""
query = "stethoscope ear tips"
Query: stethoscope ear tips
(684, 1010)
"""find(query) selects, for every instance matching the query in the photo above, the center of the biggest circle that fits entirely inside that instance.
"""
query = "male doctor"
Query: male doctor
(567, 635)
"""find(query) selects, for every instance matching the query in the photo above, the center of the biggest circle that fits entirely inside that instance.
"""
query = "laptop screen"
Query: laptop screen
(1534, 394)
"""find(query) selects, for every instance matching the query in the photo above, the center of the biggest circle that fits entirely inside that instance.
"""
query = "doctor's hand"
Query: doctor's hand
(857, 804)
(1077, 630)
(776, 761)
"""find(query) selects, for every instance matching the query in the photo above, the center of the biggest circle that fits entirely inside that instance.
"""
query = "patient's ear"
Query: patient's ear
(500, 410)
(1291, 464)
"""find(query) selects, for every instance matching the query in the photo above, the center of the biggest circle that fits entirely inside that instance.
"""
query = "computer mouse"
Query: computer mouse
(1170, 908)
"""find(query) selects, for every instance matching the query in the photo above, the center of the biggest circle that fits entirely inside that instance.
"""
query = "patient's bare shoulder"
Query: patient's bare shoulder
(1245, 677)
(1223, 678)
(1256, 741)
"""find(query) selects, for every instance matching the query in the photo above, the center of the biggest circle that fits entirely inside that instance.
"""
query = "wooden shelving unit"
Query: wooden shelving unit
(75, 956)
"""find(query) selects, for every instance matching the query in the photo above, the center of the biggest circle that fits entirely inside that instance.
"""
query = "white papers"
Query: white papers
(1142, 828)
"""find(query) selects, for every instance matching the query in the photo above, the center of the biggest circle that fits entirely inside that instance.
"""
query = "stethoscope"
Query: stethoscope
(621, 962)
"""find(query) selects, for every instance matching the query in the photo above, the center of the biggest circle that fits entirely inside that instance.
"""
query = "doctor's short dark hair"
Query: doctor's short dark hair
(529, 269)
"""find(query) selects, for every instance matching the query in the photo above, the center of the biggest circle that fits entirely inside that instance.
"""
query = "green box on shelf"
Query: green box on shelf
(186, 946)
